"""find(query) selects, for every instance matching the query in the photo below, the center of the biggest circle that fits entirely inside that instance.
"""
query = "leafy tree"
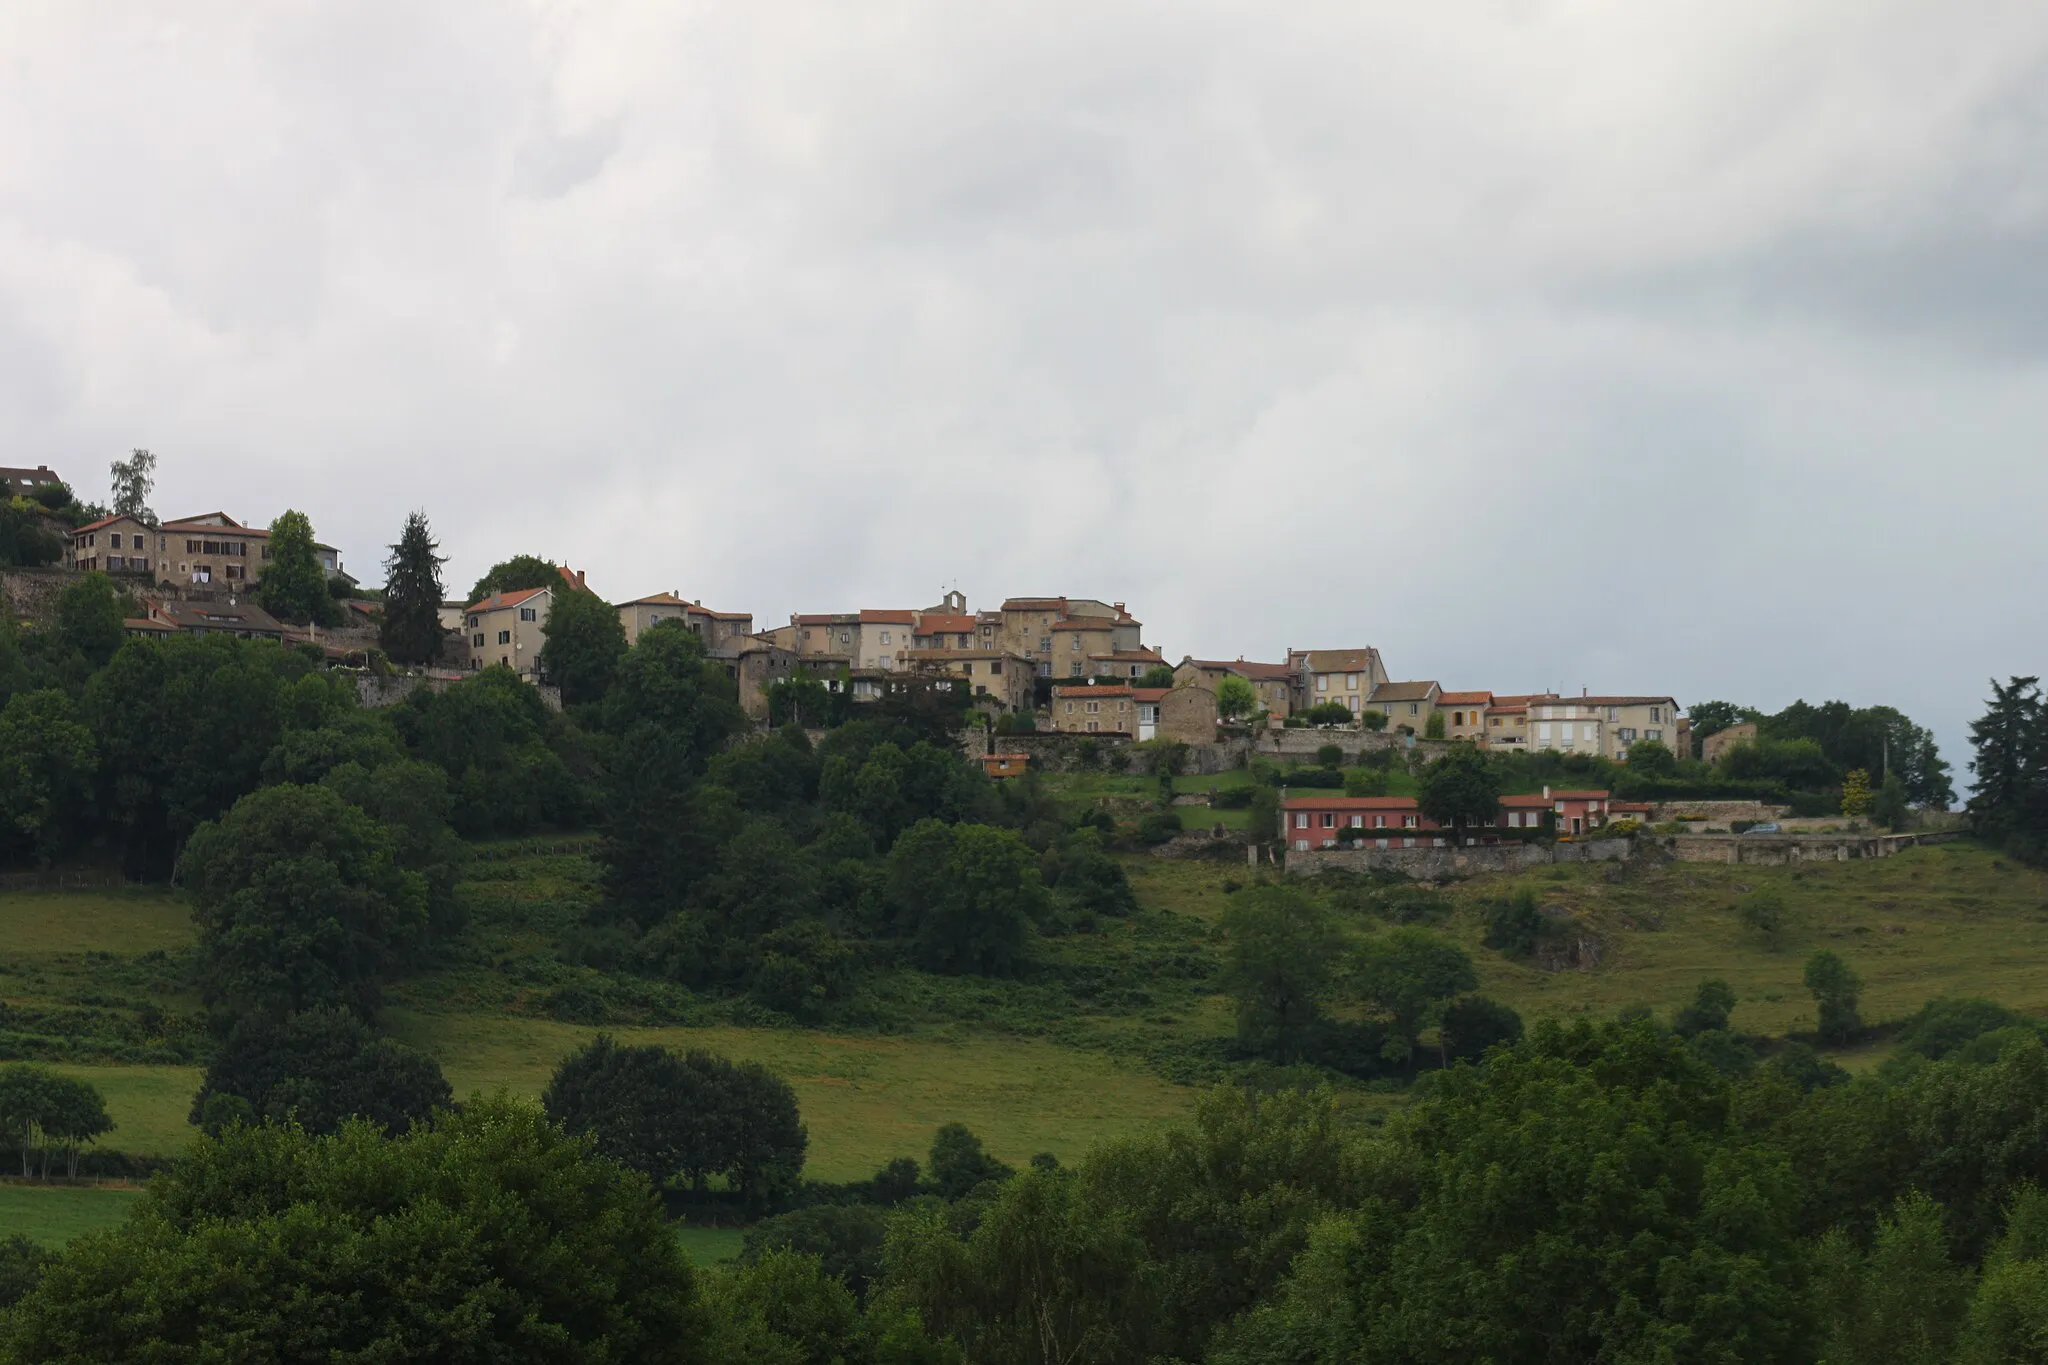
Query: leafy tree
(972, 908)
(1765, 913)
(317, 1069)
(501, 749)
(1080, 872)
(781, 1307)
(1278, 966)
(24, 539)
(1405, 976)
(1652, 758)
(516, 574)
(683, 1117)
(92, 618)
(294, 585)
(45, 1114)
(1373, 720)
(22, 1263)
(1329, 756)
(1262, 823)
(959, 1165)
(132, 480)
(1856, 794)
(1514, 924)
(1329, 713)
(1711, 1005)
(1459, 790)
(485, 1235)
(585, 641)
(1472, 1024)
(299, 903)
(1903, 1302)
(1712, 717)
(2011, 801)
(1888, 807)
(1236, 698)
(47, 759)
(1433, 728)
(411, 631)
(1835, 988)
(1365, 782)
(1159, 675)
(846, 1238)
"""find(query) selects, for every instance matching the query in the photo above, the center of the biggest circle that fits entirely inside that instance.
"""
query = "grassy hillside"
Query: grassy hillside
(55, 1215)
(1087, 1047)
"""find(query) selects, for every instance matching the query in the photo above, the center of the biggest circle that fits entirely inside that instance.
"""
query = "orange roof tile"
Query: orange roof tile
(1150, 693)
(498, 601)
(935, 623)
(1085, 690)
(1463, 698)
(1353, 802)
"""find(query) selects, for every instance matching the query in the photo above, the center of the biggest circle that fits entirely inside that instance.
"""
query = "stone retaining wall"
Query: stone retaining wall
(1445, 864)
(1717, 812)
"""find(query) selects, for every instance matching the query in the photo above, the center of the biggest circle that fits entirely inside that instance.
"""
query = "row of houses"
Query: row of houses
(1320, 821)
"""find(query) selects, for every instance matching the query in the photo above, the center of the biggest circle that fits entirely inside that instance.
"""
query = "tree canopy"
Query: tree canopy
(585, 641)
(516, 573)
(294, 585)
(411, 630)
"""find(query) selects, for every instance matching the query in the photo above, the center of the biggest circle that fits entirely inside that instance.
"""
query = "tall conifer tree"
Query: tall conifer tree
(411, 633)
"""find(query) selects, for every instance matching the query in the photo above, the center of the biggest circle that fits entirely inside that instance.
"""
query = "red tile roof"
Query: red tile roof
(887, 618)
(103, 521)
(1463, 698)
(186, 525)
(1352, 802)
(1150, 693)
(1084, 690)
(936, 623)
(1084, 623)
(1533, 799)
(498, 601)
(1578, 796)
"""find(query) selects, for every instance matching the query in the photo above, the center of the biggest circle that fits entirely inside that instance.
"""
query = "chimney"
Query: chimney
(1546, 792)
(1119, 607)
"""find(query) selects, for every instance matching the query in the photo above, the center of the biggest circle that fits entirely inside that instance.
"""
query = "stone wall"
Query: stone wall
(1445, 864)
(31, 594)
(1717, 812)
(1783, 850)
(1286, 744)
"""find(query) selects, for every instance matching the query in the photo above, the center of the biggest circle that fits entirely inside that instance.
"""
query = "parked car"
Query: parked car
(1764, 827)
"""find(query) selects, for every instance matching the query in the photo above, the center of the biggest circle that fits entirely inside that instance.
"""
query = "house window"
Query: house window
(1076, 642)
(1414, 708)
(1657, 714)
(995, 667)
(1543, 732)
(885, 637)
(1329, 820)
(1301, 820)
(1407, 822)
(1567, 735)
(1070, 708)
(1094, 725)
(531, 613)
(504, 637)
(1357, 822)
(1352, 702)
(1093, 707)
(1351, 682)
(1657, 735)
(1301, 845)
(1322, 682)
(191, 547)
(1379, 822)
(1075, 671)
(478, 638)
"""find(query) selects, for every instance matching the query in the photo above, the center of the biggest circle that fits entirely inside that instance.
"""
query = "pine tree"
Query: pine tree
(2009, 747)
(411, 633)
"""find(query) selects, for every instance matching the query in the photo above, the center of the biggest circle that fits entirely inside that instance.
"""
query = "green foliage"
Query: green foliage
(1888, 807)
(1514, 924)
(317, 1069)
(686, 1117)
(1329, 756)
(1329, 713)
(1765, 914)
(1857, 797)
(1279, 968)
(1651, 756)
(958, 1163)
(44, 1115)
(1460, 789)
(91, 618)
(1156, 827)
(1900, 1303)
(1236, 698)
(1835, 988)
(47, 761)
(411, 631)
(1404, 977)
(517, 574)
(294, 585)
(1262, 825)
(1080, 872)
(1944, 1027)
(2010, 807)
(22, 1264)
(1365, 782)
(1472, 1024)
(585, 641)
(1159, 675)
(132, 479)
(846, 1238)
(1433, 728)
(966, 896)
(488, 1235)
(24, 540)
(503, 752)
(1373, 720)
(1711, 1005)
(299, 902)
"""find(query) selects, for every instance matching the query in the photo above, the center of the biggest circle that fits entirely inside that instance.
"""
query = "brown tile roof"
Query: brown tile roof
(185, 525)
(829, 619)
(1088, 691)
(1132, 656)
(103, 521)
(144, 623)
(887, 618)
(1463, 698)
(1578, 796)
(217, 615)
(1150, 693)
(1619, 701)
(938, 623)
(498, 601)
(1084, 623)
(1034, 604)
(1403, 691)
(1531, 799)
(1338, 660)
(1245, 669)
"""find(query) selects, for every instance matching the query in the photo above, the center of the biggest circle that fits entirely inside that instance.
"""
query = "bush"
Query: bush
(1232, 798)
(1473, 1024)
(1329, 779)
(1365, 782)
(1514, 924)
(1159, 826)
(1329, 756)
(1765, 912)
(1947, 1026)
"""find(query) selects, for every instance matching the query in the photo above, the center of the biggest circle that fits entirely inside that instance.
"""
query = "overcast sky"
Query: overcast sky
(1688, 347)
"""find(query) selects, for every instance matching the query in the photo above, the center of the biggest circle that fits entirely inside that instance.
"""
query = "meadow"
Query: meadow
(1090, 1045)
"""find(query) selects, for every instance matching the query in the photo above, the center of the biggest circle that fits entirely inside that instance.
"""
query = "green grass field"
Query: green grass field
(54, 1214)
(709, 1246)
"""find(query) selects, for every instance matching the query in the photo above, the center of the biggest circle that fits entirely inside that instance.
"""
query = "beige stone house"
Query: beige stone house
(1127, 664)
(715, 628)
(508, 628)
(1108, 709)
(1185, 712)
(1721, 741)
(1601, 725)
(991, 674)
(1348, 677)
(115, 545)
(1272, 684)
(1406, 705)
(1464, 714)
(1058, 634)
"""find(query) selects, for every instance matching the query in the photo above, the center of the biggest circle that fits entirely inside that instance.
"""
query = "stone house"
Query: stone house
(116, 545)
(211, 549)
(755, 664)
(1188, 713)
(22, 483)
(239, 618)
(1408, 704)
(1094, 710)
(872, 640)
(1002, 678)
(1464, 714)
(1125, 663)
(1721, 741)
(508, 628)
(1345, 676)
(1059, 633)
(716, 628)
(1600, 725)
(1576, 812)
(1272, 684)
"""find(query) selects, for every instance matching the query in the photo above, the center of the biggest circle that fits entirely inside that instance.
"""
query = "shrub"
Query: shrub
(1319, 778)
(1365, 782)
(1473, 1024)
(1621, 829)
(1329, 756)
(1514, 924)
(1159, 826)
(1232, 798)
(1764, 911)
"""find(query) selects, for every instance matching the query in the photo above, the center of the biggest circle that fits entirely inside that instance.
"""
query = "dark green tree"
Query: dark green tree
(973, 908)
(1159, 675)
(22, 1263)
(585, 641)
(1332, 713)
(92, 618)
(294, 585)
(1711, 1005)
(1471, 1024)
(959, 1165)
(2009, 764)
(47, 760)
(1835, 987)
(1514, 923)
(47, 1116)
(299, 903)
(488, 1235)
(1405, 977)
(515, 574)
(1901, 1303)
(411, 632)
(1460, 790)
(1278, 967)
(317, 1069)
(1651, 758)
